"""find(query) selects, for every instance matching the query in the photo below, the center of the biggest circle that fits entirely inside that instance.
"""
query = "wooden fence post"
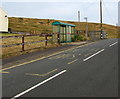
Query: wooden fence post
(23, 43)
(59, 38)
(45, 40)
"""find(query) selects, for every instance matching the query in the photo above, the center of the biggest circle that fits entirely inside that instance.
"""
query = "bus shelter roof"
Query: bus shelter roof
(63, 24)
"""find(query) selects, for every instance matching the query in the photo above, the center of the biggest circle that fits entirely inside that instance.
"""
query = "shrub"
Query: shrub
(80, 38)
(73, 39)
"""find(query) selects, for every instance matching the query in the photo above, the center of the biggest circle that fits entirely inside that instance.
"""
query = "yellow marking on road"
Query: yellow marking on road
(96, 50)
(42, 74)
(63, 56)
(71, 56)
(72, 61)
(87, 54)
(43, 57)
(21, 64)
(58, 56)
(92, 49)
(4, 72)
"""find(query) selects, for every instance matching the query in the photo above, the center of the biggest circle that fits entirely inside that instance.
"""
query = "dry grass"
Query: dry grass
(9, 34)
(34, 26)
(8, 51)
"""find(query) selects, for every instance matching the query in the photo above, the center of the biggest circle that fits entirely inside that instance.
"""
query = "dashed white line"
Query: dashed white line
(113, 44)
(26, 91)
(93, 55)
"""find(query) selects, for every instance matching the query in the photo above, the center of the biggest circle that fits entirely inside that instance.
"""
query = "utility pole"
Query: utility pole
(101, 34)
(86, 27)
(78, 16)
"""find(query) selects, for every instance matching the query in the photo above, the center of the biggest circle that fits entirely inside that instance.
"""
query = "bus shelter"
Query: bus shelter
(65, 31)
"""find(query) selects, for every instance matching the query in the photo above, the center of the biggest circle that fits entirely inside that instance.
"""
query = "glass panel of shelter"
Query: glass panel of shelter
(66, 33)
(55, 33)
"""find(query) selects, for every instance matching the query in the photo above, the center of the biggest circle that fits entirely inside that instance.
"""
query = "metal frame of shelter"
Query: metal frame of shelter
(63, 31)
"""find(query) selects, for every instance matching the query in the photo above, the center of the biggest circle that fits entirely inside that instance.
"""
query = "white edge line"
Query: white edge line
(113, 44)
(24, 92)
(93, 55)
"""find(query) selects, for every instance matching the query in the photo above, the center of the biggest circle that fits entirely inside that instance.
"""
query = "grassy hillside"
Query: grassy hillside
(37, 26)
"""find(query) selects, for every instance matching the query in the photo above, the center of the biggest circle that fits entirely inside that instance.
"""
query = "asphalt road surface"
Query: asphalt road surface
(85, 71)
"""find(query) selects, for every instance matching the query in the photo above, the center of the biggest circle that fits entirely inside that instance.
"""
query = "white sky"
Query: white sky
(62, 9)
(57, 0)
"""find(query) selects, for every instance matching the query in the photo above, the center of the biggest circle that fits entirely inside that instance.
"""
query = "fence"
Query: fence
(96, 35)
(10, 44)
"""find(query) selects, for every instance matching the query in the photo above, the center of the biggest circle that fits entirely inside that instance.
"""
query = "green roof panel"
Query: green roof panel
(61, 23)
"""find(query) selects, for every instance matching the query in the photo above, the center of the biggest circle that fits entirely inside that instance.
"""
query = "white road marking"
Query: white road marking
(73, 56)
(79, 54)
(93, 55)
(113, 44)
(26, 91)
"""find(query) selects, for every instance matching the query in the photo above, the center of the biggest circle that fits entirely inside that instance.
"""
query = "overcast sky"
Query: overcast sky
(62, 9)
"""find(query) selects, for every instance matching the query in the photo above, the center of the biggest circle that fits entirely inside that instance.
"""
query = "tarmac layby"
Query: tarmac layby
(84, 71)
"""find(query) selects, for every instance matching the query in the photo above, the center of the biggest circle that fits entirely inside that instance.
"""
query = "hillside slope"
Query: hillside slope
(37, 26)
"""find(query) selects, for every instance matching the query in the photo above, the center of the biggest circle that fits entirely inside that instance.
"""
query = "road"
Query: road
(85, 71)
